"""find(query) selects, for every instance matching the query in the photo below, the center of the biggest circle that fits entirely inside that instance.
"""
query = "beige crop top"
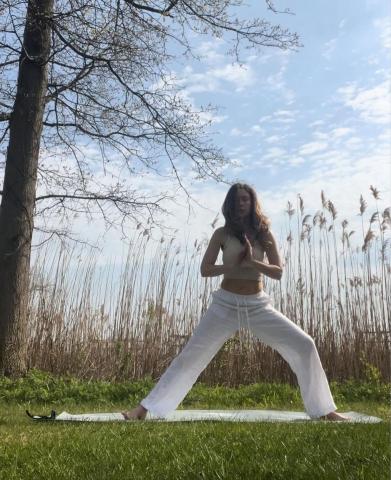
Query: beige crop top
(231, 247)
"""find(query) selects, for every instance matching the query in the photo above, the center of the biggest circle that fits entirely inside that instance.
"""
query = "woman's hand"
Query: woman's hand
(248, 250)
(245, 255)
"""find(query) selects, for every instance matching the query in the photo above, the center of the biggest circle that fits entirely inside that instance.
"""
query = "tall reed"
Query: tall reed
(130, 322)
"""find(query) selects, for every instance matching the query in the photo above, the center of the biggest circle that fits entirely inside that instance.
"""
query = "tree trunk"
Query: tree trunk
(19, 190)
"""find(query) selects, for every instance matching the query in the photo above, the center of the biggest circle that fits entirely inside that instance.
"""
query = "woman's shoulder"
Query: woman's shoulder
(221, 235)
(268, 238)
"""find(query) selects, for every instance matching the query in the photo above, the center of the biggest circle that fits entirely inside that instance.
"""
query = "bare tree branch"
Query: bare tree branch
(162, 11)
(108, 85)
(5, 116)
(270, 6)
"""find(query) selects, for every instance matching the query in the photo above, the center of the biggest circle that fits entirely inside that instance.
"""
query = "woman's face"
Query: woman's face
(242, 203)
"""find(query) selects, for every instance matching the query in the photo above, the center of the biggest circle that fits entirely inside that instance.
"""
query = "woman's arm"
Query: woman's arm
(273, 269)
(208, 267)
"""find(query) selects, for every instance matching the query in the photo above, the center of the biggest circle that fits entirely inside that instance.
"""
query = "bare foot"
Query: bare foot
(334, 416)
(138, 413)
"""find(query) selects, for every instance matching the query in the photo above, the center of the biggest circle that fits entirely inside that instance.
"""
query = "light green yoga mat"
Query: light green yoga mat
(219, 415)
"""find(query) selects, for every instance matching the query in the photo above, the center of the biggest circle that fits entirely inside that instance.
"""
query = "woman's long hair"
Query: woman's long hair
(259, 222)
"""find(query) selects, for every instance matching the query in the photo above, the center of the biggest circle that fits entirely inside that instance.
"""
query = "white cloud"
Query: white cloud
(334, 134)
(295, 161)
(312, 147)
(342, 23)
(383, 72)
(265, 118)
(245, 132)
(211, 117)
(274, 139)
(285, 113)
(285, 120)
(385, 136)
(197, 82)
(241, 76)
(209, 51)
(239, 150)
(216, 79)
(235, 132)
(275, 152)
(237, 164)
(341, 132)
(372, 104)
(373, 60)
(329, 48)
(384, 27)
(342, 179)
(353, 143)
(276, 82)
(320, 135)
(206, 116)
(317, 123)
(258, 129)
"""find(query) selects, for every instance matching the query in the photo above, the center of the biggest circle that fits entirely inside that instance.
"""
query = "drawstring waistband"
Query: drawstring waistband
(239, 319)
(237, 301)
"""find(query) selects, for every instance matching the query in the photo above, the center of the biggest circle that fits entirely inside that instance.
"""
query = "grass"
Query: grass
(188, 450)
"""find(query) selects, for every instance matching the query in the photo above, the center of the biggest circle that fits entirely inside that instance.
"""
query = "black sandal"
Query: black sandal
(52, 416)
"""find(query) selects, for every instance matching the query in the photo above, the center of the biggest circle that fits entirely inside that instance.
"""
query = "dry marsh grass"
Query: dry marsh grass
(129, 324)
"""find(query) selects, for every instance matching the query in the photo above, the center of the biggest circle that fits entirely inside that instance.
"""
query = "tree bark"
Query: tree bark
(19, 190)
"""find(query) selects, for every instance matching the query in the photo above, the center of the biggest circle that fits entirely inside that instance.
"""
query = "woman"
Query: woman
(244, 240)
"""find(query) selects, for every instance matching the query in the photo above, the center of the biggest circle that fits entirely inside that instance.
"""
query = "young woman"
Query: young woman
(244, 240)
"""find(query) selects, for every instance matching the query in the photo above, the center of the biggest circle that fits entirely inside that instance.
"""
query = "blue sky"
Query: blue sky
(292, 122)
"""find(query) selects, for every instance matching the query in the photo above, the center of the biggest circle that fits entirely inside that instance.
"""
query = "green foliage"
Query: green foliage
(371, 372)
(353, 390)
(260, 395)
(42, 387)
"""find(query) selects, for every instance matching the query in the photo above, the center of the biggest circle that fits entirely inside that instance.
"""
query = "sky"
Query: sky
(291, 122)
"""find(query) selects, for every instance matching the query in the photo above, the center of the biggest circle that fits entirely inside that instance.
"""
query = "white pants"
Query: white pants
(220, 322)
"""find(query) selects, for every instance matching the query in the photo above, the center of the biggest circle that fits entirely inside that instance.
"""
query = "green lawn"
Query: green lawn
(197, 450)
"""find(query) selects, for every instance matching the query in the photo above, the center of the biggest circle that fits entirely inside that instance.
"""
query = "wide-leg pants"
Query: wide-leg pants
(220, 321)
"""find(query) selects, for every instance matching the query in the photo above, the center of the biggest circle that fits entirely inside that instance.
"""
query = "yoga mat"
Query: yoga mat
(219, 415)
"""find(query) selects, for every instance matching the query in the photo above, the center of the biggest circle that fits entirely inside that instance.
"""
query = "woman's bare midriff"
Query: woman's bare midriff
(242, 287)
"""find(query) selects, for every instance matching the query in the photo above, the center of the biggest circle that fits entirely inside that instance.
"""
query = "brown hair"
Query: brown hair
(259, 222)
